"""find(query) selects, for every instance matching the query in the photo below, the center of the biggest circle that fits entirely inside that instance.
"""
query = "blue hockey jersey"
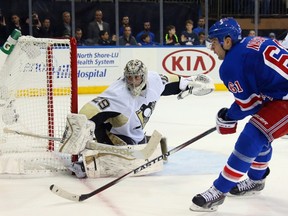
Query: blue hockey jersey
(255, 70)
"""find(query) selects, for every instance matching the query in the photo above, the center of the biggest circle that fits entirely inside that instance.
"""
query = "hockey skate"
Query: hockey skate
(207, 201)
(249, 187)
(78, 169)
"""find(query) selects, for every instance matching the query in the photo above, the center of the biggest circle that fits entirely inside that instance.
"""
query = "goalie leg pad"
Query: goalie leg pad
(91, 163)
(77, 133)
(108, 165)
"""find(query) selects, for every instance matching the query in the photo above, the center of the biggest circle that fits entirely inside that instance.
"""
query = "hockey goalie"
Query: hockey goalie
(108, 133)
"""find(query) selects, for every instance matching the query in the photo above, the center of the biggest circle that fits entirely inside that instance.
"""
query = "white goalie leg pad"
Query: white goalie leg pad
(111, 165)
(77, 133)
(91, 163)
(123, 151)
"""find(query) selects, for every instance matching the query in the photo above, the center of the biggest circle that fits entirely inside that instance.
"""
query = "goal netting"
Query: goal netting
(38, 89)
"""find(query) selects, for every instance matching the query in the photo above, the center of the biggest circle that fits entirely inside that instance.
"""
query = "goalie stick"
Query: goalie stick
(8, 130)
(78, 198)
(124, 151)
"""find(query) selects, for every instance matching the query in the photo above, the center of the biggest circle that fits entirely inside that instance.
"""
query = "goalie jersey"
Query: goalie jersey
(259, 75)
(117, 112)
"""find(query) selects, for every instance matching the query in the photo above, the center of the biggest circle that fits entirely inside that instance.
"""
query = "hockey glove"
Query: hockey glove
(225, 125)
(197, 85)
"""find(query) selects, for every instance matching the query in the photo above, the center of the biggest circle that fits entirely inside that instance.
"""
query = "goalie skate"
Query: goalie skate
(78, 168)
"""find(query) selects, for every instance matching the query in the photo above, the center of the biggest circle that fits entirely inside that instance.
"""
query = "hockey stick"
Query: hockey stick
(7, 130)
(124, 151)
(78, 198)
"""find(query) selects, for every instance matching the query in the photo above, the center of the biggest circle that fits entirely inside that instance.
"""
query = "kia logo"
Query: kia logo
(186, 62)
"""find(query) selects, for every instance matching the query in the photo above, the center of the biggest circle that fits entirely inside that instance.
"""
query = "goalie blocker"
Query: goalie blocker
(102, 160)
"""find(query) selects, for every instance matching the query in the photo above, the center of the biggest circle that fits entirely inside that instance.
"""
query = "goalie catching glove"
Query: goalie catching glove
(225, 125)
(197, 85)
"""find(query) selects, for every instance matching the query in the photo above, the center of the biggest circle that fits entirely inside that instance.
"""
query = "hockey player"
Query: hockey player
(255, 71)
(121, 112)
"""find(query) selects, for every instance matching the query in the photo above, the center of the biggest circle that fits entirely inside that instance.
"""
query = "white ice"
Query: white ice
(168, 193)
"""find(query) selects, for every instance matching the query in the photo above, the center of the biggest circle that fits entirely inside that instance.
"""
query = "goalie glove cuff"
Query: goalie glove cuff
(186, 82)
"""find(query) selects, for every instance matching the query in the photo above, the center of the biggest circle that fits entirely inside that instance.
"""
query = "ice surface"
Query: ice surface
(168, 193)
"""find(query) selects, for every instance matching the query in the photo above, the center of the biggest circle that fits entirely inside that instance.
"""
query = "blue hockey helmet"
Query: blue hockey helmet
(225, 27)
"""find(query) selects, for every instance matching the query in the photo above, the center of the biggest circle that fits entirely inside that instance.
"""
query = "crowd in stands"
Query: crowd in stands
(98, 31)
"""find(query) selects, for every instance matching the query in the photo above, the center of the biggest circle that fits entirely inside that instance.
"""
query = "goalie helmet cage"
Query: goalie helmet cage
(38, 90)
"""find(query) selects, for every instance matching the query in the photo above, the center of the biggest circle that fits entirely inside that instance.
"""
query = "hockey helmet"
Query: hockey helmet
(135, 73)
(225, 27)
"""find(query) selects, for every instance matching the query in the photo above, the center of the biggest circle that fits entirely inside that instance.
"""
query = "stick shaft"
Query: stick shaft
(7, 130)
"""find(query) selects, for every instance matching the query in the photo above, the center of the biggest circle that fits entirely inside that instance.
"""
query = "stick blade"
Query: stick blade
(64, 194)
(150, 146)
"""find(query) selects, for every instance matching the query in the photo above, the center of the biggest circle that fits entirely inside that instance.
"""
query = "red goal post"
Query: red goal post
(38, 90)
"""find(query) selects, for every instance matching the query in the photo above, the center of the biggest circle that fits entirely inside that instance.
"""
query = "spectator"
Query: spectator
(36, 24)
(202, 38)
(188, 37)
(127, 39)
(251, 33)
(125, 22)
(95, 27)
(171, 37)
(79, 37)
(64, 29)
(147, 29)
(3, 30)
(17, 24)
(46, 31)
(272, 35)
(104, 39)
(146, 40)
(200, 27)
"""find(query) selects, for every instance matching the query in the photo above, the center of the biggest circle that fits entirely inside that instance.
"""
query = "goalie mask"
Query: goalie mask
(135, 73)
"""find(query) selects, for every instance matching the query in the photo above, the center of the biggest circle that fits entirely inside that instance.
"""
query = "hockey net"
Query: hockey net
(38, 89)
